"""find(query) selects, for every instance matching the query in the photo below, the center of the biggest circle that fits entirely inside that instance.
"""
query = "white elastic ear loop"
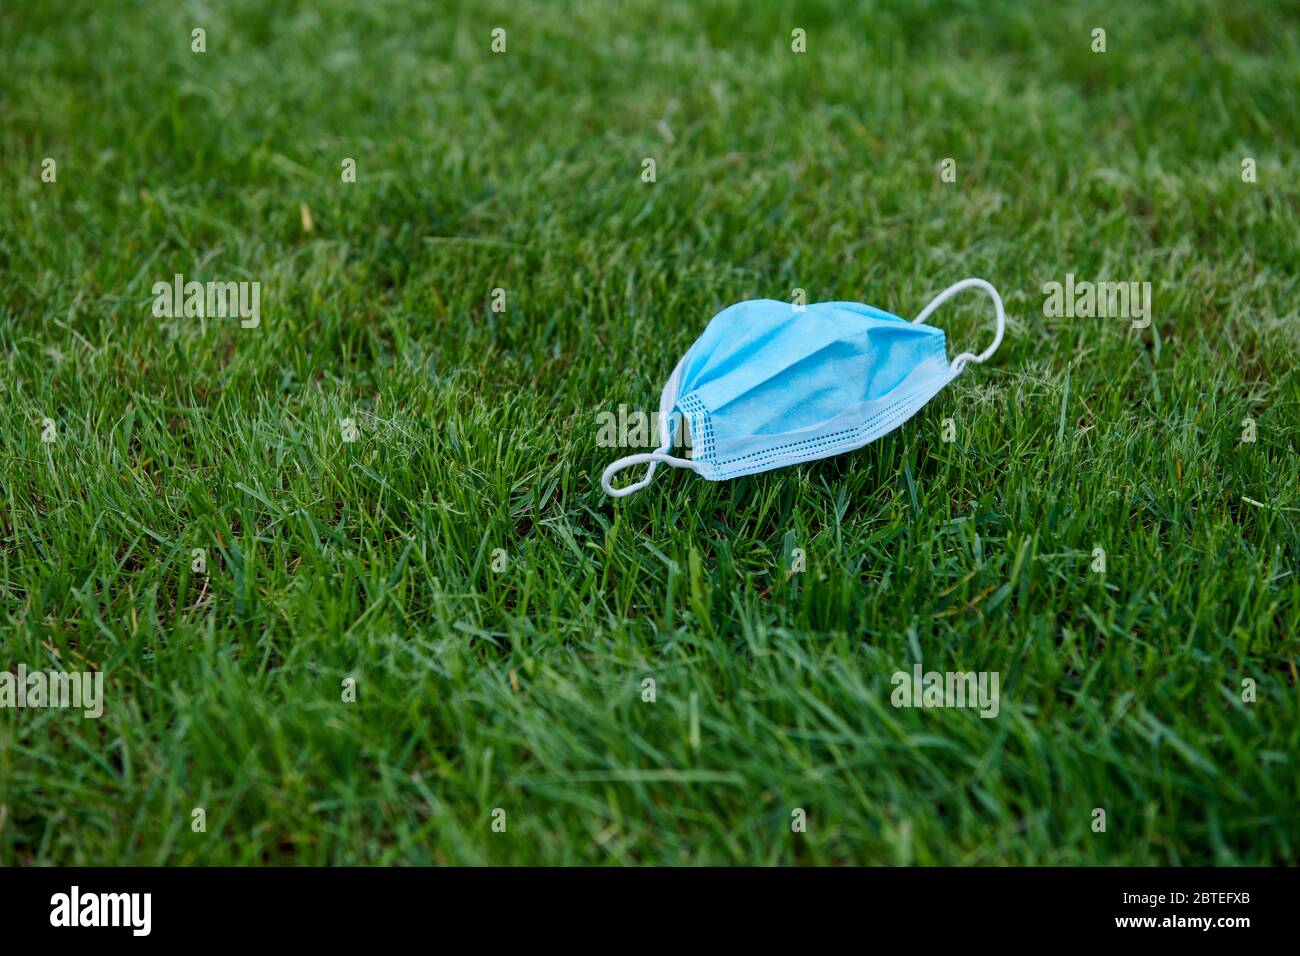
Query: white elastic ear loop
(653, 457)
(667, 399)
(960, 361)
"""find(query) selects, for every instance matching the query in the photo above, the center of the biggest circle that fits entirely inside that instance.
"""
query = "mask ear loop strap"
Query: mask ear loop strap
(960, 361)
(667, 425)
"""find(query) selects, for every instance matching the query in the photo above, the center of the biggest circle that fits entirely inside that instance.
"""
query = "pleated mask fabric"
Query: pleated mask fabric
(769, 384)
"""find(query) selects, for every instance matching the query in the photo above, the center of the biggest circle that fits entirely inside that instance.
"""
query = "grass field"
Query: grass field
(498, 614)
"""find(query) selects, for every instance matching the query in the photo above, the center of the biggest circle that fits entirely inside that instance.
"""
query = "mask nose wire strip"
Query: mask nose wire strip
(960, 361)
(667, 424)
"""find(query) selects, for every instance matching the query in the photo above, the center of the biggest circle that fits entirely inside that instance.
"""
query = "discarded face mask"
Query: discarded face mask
(769, 385)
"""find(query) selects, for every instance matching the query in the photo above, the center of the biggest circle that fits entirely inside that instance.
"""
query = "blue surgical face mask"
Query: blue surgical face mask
(770, 384)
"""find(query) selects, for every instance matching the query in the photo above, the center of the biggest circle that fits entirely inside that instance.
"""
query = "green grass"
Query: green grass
(522, 689)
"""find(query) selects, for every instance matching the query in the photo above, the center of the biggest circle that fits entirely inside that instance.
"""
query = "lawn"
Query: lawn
(435, 642)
